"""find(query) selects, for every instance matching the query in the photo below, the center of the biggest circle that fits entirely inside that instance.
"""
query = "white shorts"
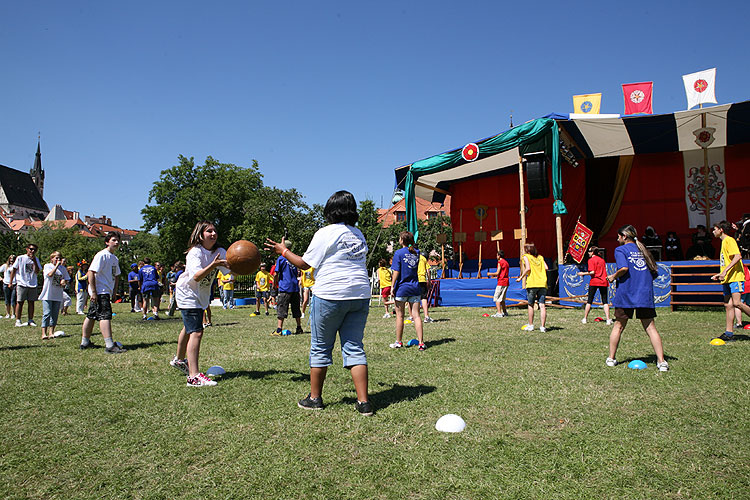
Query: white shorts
(500, 293)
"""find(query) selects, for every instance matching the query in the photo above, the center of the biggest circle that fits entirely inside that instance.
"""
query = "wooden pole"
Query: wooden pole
(522, 240)
(497, 242)
(705, 178)
(479, 270)
(442, 259)
(558, 227)
(460, 244)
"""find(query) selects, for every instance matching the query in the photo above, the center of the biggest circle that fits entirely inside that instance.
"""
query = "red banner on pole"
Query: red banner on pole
(579, 242)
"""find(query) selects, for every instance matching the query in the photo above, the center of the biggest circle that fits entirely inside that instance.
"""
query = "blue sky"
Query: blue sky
(325, 95)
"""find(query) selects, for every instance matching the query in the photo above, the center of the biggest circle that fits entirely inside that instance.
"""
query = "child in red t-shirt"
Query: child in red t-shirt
(501, 289)
(598, 272)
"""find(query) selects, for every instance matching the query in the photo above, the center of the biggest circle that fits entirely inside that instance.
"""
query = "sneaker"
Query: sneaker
(609, 322)
(303, 315)
(299, 331)
(311, 403)
(156, 317)
(386, 315)
(396, 345)
(115, 349)
(364, 408)
(422, 347)
(18, 323)
(611, 362)
(542, 329)
(144, 318)
(180, 364)
(7, 316)
(497, 315)
(275, 333)
(584, 321)
(90, 345)
(208, 324)
(30, 323)
(738, 326)
(200, 380)
(427, 319)
(528, 328)
(266, 313)
(12, 316)
(663, 366)
(723, 336)
(410, 319)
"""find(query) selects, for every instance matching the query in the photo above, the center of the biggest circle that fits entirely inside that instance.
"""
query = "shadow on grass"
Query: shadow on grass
(385, 398)
(20, 347)
(146, 345)
(433, 343)
(650, 359)
(440, 320)
(739, 338)
(259, 374)
(213, 325)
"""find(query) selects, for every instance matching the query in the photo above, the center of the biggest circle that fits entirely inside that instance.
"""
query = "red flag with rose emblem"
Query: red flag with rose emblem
(638, 97)
(579, 242)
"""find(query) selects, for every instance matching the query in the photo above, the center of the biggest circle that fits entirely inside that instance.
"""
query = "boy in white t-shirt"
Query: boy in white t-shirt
(103, 276)
(25, 270)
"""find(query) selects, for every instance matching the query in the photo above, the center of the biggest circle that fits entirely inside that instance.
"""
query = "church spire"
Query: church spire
(37, 172)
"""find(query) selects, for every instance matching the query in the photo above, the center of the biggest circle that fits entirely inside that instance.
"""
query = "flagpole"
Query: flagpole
(522, 239)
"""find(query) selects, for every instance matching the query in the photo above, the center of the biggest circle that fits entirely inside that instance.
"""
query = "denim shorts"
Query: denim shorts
(192, 319)
(734, 287)
(411, 299)
(50, 312)
(536, 295)
(345, 317)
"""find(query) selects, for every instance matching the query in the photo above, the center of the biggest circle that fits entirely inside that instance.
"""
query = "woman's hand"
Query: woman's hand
(218, 262)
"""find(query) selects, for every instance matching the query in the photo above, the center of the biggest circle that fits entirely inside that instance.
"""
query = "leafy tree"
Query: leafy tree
(187, 193)
(428, 235)
(142, 245)
(11, 243)
(377, 236)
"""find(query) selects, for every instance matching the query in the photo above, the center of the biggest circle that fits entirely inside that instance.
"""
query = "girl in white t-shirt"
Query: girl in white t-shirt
(193, 295)
(55, 279)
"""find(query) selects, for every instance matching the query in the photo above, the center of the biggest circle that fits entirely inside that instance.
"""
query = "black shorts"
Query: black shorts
(282, 305)
(423, 290)
(623, 313)
(100, 308)
(602, 292)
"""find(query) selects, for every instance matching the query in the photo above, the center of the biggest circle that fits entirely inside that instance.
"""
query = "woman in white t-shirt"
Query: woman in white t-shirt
(341, 298)
(9, 289)
(55, 279)
(193, 295)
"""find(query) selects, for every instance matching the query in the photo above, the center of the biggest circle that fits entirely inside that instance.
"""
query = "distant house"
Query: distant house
(425, 210)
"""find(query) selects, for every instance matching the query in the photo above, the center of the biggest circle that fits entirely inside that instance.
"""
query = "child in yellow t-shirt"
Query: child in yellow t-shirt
(306, 281)
(384, 276)
(731, 275)
(263, 284)
(535, 272)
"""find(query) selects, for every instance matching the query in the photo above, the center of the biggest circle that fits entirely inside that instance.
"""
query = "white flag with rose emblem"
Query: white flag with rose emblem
(700, 87)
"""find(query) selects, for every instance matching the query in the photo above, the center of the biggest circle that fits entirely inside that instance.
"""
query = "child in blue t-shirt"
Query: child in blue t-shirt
(636, 270)
(405, 288)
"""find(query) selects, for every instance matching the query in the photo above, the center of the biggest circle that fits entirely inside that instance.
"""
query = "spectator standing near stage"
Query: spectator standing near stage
(501, 290)
(25, 270)
(598, 272)
(731, 276)
(385, 281)
(306, 282)
(226, 282)
(424, 291)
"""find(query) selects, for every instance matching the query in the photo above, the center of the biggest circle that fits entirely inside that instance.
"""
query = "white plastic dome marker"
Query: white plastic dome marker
(450, 423)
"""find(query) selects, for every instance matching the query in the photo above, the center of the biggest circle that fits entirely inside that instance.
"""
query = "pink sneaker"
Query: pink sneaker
(200, 380)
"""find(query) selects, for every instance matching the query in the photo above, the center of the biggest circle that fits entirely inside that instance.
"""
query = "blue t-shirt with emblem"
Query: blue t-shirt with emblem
(406, 264)
(635, 288)
(149, 278)
(286, 273)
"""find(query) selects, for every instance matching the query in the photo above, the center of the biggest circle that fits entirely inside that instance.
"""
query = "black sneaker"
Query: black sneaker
(90, 345)
(311, 403)
(299, 331)
(725, 337)
(115, 349)
(364, 408)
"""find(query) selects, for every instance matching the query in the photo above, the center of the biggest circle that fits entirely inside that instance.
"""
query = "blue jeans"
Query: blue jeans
(348, 318)
(50, 311)
(227, 298)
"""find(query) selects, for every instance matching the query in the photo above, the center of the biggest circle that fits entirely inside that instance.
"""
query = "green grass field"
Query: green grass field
(545, 417)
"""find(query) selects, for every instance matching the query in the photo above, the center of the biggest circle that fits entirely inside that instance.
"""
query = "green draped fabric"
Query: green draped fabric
(529, 137)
